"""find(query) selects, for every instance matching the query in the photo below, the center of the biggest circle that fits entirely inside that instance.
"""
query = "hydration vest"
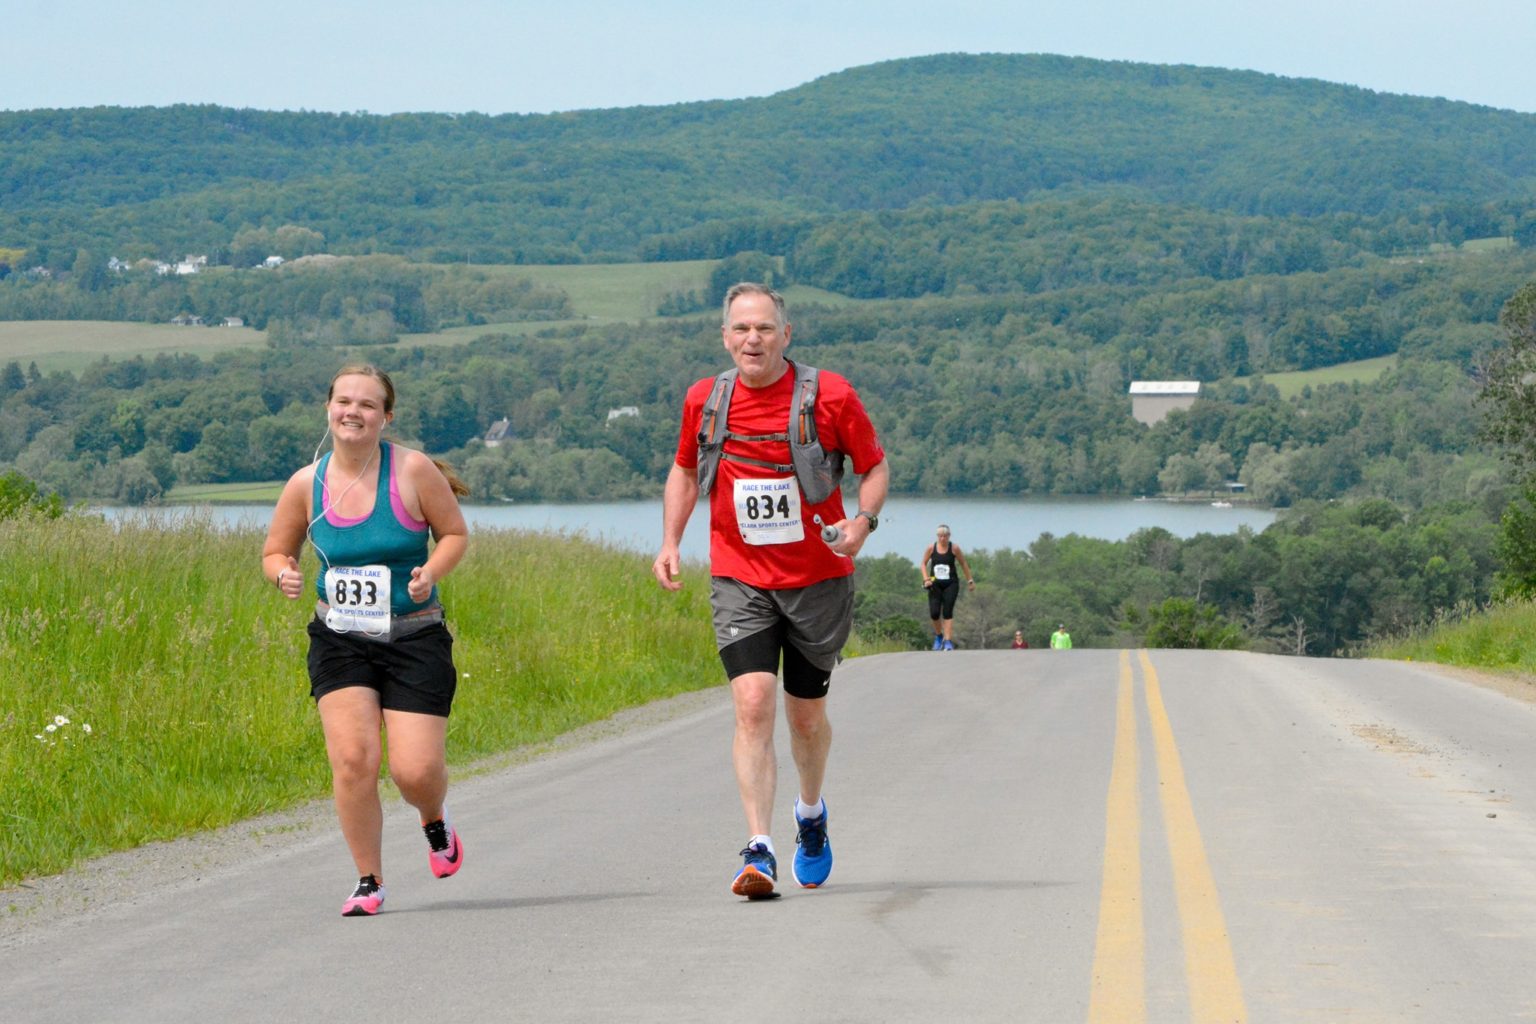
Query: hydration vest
(818, 471)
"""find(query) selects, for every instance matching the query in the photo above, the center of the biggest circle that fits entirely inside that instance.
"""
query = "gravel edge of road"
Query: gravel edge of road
(1515, 685)
(132, 875)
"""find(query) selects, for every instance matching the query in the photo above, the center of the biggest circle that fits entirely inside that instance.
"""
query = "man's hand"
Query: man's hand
(855, 532)
(667, 568)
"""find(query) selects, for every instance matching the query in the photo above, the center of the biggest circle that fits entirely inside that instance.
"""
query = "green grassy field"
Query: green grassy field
(172, 674)
(609, 292)
(72, 345)
(1496, 244)
(225, 494)
(1363, 370)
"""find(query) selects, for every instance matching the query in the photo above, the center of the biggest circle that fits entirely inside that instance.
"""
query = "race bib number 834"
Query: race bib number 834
(768, 511)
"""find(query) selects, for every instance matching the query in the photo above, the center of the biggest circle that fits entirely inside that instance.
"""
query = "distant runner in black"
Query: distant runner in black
(939, 563)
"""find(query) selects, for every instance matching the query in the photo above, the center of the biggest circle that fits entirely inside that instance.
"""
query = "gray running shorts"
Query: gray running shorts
(814, 620)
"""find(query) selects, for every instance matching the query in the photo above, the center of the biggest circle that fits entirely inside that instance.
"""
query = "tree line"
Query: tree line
(624, 185)
(315, 300)
(972, 396)
(1325, 579)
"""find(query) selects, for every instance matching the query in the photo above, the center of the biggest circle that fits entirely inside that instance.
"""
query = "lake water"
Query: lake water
(906, 526)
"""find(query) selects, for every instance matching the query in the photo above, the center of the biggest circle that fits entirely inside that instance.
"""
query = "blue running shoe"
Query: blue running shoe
(938, 643)
(813, 851)
(949, 645)
(758, 873)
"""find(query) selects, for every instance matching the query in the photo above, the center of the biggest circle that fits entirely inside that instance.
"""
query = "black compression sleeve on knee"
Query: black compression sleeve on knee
(801, 678)
(756, 653)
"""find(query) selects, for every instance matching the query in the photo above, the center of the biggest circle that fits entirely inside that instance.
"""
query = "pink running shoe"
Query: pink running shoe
(447, 853)
(365, 900)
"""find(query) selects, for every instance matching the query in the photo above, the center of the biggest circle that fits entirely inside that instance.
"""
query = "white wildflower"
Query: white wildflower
(51, 728)
(60, 720)
(87, 728)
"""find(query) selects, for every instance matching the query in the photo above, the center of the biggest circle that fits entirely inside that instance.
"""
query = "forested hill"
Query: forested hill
(705, 180)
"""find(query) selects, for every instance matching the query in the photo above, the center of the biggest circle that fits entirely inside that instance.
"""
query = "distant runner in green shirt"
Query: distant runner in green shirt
(1061, 640)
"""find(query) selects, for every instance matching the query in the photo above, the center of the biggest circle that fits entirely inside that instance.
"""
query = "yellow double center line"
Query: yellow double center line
(1119, 961)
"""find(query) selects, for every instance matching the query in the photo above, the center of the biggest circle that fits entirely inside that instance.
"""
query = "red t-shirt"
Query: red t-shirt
(843, 426)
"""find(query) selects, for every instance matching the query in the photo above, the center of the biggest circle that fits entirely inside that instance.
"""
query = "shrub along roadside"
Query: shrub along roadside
(173, 675)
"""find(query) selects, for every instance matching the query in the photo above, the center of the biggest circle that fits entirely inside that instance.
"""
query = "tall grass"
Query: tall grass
(188, 669)
(1500, 638)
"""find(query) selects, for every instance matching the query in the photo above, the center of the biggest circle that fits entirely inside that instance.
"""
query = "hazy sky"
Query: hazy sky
(385, 56)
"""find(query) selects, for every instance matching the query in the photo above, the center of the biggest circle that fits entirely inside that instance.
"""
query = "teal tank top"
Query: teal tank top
(387, 536)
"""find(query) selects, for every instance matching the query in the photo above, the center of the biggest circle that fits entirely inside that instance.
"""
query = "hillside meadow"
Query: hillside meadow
(1357, 371)
(72, 345)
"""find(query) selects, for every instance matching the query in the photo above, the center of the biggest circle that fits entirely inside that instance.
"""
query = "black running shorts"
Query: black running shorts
(414, 672)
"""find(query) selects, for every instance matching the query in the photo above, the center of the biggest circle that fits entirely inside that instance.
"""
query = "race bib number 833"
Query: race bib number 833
(359, 598)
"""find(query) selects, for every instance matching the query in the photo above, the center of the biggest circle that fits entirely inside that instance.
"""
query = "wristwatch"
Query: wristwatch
(874, 520)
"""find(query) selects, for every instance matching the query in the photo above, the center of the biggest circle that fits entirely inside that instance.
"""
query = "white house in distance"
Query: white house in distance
(1151, 400)
(499, 431)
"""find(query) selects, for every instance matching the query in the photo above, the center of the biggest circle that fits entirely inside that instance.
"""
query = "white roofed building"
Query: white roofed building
(1152, 400)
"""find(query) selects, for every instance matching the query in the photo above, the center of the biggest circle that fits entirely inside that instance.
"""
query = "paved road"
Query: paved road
(1097, 836)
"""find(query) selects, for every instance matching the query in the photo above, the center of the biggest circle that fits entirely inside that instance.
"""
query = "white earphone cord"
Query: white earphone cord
(326, 505)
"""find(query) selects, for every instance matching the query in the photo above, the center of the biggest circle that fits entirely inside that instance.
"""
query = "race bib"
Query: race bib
(768, 511)
(359, 599)
(941, 572)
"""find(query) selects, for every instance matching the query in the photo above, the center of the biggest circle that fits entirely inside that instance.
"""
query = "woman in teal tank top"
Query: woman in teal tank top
(388, 535)
(386, 527)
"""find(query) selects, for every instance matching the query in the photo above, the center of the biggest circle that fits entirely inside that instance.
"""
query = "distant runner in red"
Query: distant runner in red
(766, 442)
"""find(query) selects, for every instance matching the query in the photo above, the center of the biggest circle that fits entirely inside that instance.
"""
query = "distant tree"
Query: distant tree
(1517, 546)
(20, 496)
(1525, 231)
(744, 266)
(1509, 399)
(1509, 382)
(1216, 464)
(250, 247)
(89, 272)
(682, 303)
(1182, 623)
(1182, 473)
(292, 241)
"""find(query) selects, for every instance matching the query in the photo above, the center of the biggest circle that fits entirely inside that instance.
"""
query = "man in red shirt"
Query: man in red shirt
(777, 587)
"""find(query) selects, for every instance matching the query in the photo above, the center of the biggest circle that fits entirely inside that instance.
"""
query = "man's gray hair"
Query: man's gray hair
(753, 288)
